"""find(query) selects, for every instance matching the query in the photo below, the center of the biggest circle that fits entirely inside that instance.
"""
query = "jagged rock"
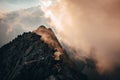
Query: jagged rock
(27, 57)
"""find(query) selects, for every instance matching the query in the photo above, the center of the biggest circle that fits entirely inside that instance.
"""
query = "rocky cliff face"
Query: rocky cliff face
(29, 57)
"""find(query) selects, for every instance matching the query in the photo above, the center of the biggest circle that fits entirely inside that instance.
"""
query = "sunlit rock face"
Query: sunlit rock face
(28, 57)
(48, 36)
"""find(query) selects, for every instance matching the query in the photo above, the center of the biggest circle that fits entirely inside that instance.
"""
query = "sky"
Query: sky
(13, 5)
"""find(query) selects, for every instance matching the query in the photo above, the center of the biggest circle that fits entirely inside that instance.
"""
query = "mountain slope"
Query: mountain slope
(29, 57)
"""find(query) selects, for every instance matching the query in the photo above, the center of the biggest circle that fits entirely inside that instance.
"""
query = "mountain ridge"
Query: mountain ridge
(28, 57)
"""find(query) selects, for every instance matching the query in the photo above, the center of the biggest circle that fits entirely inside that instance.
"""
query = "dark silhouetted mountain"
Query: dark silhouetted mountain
(28, 57)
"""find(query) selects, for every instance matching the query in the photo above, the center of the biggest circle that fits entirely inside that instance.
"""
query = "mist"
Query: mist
(88, 24)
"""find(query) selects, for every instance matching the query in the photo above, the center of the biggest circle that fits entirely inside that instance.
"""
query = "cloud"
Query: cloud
(87, 24)
(3, 29)
(2, 14)
(20, 21)
(12, 5)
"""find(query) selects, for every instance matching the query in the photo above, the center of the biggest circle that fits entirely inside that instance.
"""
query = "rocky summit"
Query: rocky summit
(28, 57)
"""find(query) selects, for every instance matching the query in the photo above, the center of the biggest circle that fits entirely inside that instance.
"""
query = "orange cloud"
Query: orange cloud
(86, 24)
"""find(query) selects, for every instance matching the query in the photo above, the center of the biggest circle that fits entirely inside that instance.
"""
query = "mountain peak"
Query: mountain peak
(30, 57)
(48, 36)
